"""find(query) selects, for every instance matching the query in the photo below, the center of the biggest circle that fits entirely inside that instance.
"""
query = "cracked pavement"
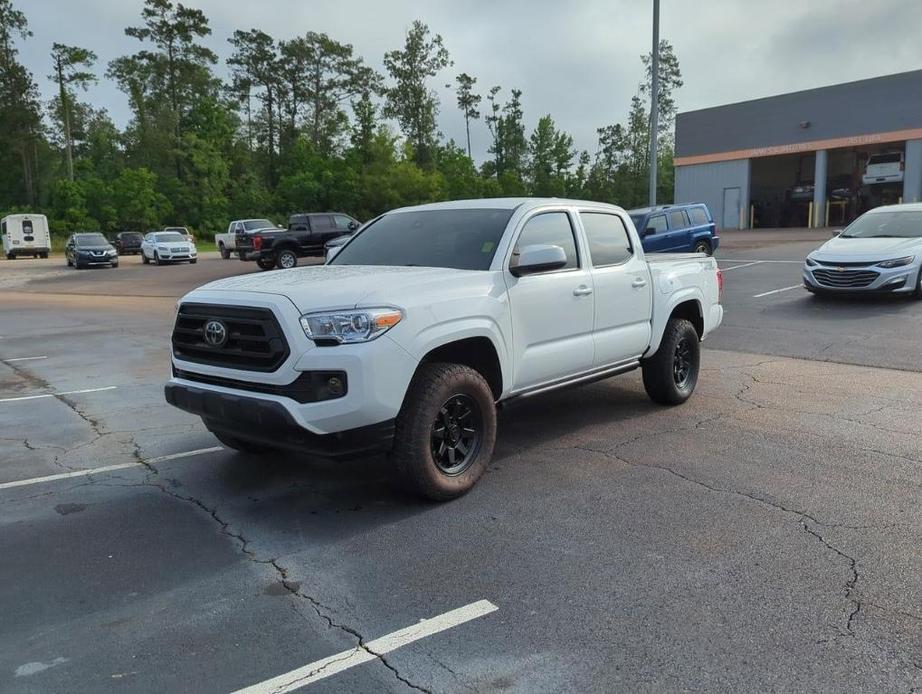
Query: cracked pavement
(764, 536)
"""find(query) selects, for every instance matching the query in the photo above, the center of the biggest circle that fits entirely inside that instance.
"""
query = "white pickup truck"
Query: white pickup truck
(407, 340)
(226, 242)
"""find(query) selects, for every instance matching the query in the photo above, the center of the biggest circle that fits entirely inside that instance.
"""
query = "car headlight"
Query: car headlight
(810, 261)
(897, 262)
(349, 326)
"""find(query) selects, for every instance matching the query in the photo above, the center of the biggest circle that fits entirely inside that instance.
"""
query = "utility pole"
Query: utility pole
(654, 103)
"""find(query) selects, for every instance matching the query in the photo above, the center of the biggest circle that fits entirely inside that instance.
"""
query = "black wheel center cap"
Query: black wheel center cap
(454, 431)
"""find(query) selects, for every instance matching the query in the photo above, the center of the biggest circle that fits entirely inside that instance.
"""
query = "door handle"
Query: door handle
(582, 290)
(638, 283)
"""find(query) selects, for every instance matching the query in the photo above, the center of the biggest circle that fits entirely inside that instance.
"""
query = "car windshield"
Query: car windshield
(171, 237)
(458, 239)
(253, 224)
(91, 240)
(883, 225)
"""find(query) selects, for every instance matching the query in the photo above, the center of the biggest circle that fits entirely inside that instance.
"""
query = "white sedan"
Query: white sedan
(162, 247)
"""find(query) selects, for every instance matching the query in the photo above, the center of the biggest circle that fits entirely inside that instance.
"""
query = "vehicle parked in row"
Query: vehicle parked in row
(428, 319)
(182, 230)
(25, 234)
(226, 242)
(686, 228)
(161, 247)
(881, 252)
(334, 246)
(884, 167)
(90, 249)
(306, 235)
(127, 242)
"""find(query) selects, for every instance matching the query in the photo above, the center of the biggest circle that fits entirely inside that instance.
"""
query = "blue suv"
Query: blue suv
(676, 229)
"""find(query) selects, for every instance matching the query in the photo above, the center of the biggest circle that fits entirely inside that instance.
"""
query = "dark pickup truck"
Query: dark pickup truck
(305, 236)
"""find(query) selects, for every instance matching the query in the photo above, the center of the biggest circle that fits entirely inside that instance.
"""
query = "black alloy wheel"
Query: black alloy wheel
(682, 363)
(456, 434)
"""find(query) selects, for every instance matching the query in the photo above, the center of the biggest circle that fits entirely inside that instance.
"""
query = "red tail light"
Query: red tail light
(257, 243)
(720, 285)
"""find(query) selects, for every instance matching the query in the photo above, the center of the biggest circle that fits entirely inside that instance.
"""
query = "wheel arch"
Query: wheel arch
(476, 351)
(687, 305)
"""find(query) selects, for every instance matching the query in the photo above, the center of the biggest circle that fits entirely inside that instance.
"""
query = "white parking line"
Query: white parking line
(54, 395)
(777, 291)
(335, 664)
(737, 267)
(107, 468)
(10, 361)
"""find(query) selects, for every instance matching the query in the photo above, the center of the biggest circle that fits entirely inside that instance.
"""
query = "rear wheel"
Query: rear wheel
(266, 263)
(670, 375)
(445, 431)
(703, 247)
(10, 256)
(43, 256)
(286, 259)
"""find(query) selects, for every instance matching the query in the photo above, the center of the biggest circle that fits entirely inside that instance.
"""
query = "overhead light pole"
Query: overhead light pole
(654, 103)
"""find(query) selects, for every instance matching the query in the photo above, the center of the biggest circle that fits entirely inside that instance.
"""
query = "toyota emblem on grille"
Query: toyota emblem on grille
(215, 333)
(840, 269)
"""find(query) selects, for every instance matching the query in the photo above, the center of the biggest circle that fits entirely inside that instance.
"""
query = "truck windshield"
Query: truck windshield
(458, 239)
(882, 225)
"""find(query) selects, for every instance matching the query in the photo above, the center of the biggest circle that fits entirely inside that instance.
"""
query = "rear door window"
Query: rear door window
(677, 219)
(321, 221)
(698, 216)
(609, 243)
(551, 228)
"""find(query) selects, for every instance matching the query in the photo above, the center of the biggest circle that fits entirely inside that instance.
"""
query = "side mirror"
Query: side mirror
(539, 258)
(332, 251)
(353, 226)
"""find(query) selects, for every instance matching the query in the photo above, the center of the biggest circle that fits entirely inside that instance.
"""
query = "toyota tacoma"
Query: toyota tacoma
(426, 321)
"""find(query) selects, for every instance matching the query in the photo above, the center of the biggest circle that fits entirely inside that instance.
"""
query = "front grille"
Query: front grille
(177, 250)
(836, 263)
(255, 341)
(845, 279)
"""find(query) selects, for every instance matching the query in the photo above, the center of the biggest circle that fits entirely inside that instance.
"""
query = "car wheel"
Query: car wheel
(144, 258)
(114, 265)
(670, 375)
(287, 259)
(10, 256)
(266, 263)
(703, 247)
(917, 293)
(225, 254)
(43, 256)
(445, 431)
(157, 260)
(193, 261)
(241, 445)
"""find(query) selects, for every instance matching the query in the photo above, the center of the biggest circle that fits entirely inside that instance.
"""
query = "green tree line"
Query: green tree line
(301, 124)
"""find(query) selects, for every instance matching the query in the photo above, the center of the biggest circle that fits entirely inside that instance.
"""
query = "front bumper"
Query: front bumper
(168, 255)
(897, 280)
(269, 422)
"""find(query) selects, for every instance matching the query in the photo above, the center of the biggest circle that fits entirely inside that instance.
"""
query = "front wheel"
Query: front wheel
(114, 265)
(193, 261)
(445, 431)
(157, 260)
(266, 263)
(287, 259)
(670, 375)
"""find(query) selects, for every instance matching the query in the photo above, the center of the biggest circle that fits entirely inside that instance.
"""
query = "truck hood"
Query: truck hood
(340, 286)
(868, 249)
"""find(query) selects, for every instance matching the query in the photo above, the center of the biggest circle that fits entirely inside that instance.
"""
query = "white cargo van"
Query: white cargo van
(25, 234)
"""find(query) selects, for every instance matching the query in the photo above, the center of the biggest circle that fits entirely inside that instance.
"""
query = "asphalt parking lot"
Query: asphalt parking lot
(764, 536)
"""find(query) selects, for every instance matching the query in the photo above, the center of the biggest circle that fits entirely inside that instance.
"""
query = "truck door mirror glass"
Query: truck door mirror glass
(539, 258)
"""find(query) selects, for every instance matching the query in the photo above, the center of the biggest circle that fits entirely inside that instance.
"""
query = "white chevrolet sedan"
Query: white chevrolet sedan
(880, 252)
(161, 247)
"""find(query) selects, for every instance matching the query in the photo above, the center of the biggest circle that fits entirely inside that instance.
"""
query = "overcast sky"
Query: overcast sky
(577, 60)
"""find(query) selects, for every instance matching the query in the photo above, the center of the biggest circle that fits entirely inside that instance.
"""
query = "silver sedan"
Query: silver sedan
(879, 252)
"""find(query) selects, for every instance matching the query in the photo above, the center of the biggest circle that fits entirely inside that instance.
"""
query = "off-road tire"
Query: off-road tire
(266, 263)
(433, 388)
(661, 371)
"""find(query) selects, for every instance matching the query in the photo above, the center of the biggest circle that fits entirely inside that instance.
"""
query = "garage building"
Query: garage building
(818, 157)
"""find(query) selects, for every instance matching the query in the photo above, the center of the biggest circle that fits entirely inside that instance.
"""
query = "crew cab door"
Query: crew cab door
(623, 289)
(323, 229)
(552, 312)
(679, 231)
(299, 226)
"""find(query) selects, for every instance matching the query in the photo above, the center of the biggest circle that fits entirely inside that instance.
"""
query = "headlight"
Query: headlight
(810, 261)
(350, 326)
(898, 262)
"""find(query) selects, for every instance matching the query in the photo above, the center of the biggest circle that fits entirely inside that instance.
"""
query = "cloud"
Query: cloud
(578, 60)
